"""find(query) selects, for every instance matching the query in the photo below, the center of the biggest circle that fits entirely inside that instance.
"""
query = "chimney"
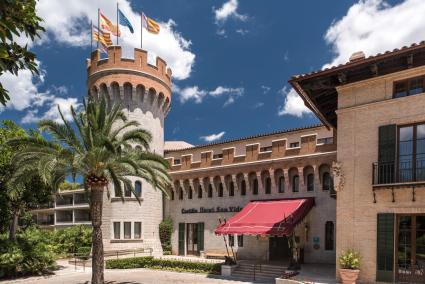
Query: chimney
(356, 56)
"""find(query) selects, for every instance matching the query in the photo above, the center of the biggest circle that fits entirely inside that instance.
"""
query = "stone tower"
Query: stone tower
(144, 91)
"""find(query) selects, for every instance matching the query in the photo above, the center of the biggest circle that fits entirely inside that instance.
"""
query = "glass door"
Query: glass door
(192, 238)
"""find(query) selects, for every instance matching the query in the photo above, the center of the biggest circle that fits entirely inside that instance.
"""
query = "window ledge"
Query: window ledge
(116, 199)
(126, 241)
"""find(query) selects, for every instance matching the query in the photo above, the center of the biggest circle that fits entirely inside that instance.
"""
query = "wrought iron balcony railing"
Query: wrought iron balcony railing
(397, 173)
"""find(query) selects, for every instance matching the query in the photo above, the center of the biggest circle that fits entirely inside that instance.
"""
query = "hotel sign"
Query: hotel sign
(217, 209)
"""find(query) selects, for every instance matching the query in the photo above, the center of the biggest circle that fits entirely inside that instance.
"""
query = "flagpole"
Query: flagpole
(118, 25)
(141, 31)
(98, 25)
(91, 36)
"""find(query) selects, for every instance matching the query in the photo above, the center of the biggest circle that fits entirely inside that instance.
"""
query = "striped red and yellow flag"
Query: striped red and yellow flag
(149, 24)
(107, 24)
(102, 37)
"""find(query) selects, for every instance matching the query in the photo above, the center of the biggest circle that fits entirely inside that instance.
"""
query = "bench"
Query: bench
(214, 254)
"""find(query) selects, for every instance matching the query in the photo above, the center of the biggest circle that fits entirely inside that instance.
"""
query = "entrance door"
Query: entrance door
(411, 248)
(279, 248)
(192, 238)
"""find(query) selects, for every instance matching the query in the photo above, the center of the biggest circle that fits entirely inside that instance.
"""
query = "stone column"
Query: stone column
(286, 177)
(316, 178)
(301, 182)
(272, 181)
(235, 182)
(260, 183)
(247, 185)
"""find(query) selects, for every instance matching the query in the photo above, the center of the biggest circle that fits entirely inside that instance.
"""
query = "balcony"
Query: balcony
(394, 174)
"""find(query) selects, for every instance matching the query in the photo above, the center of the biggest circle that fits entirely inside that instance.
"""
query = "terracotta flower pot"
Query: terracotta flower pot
(349, 276)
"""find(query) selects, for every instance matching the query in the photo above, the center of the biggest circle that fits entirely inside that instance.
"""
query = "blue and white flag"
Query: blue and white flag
(124, 21)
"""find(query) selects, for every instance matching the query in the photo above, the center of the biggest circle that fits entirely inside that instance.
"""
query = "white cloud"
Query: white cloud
(293, 104)
(242, 31)
(258, 105)
(197, 95)
(373, 26)
(265, 89)
(213, 137)
(53, 113)
(228, 10)
(68, 22)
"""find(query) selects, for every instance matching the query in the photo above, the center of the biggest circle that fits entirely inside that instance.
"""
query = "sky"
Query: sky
(231, 59)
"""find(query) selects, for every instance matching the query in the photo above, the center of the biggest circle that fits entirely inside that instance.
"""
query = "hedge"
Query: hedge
(163, 264)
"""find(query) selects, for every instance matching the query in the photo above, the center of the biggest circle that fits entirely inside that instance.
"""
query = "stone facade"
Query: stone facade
(301, 152)
(144, 91)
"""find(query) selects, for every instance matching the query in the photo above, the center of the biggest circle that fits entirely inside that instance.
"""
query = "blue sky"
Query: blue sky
(231, 59)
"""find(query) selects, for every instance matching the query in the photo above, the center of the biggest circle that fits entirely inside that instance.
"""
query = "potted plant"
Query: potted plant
(349, 262)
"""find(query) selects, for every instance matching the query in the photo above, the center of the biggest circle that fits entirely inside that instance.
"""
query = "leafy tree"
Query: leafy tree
(101, 147)
(165, 231)
(17, 18)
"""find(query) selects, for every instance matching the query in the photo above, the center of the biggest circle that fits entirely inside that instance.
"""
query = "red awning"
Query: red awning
(274, 217)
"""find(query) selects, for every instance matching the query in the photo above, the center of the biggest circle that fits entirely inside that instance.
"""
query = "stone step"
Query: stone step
(257, 274)
(263, 269)
(258, 279)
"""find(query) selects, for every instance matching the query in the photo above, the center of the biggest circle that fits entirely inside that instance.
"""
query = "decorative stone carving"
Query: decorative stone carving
(338, 176)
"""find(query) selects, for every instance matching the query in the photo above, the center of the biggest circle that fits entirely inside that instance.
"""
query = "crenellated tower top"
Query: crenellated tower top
(132, 82)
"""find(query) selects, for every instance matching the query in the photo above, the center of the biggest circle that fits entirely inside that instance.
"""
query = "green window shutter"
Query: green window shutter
(181, 238)
(200, 233)
(385, 248)
(387, 153)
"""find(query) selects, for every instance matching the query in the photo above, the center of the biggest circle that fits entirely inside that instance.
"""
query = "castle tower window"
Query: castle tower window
(268, 185)
(199, 191)
(181, 193)
(231, 189)
(220, 190)
(210, 191)
(326, 181)
(117, 230)
(281, 184)
(295, 183)
(127, 192)
(255, 186)
(240, 241)
(190, 193)
(138, 188)
(310, 182)
(231, 241)
(137, 230)
(172, 194)
(243, 187)
(329, 235)
(127, 230)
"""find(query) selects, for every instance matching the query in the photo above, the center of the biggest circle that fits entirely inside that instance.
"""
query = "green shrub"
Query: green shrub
(70, 186)
(32, 253)
(165, 231)
(83, 252)
(163, 264)
(349, 259)
(68, 240)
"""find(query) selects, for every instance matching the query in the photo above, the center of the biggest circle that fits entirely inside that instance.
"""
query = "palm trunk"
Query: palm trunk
(13, 225)
(96, 215)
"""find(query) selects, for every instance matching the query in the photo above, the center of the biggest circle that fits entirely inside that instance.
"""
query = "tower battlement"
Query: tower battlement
(132, 82)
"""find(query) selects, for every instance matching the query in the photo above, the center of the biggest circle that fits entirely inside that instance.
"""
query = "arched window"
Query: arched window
(172, 194)
(255, 186)
(281, 184)
(190, 193)
(310, 182)
(138, 188)
(210, 191)
(326, 181)
(295, 183)
(231, 189)
(220, 190)
(243, 187)
(268, 185)
(181, 193)
(329, 235)
(199, 191)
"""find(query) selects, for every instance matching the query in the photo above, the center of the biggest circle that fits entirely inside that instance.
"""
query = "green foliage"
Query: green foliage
(83, 253)
(69, 240)
(163, 264)
(349, 259)
(32, 253)
(165, 231)
(70, 186)
(17, 18)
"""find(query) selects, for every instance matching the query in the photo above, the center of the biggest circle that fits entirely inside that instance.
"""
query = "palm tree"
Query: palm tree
(102, 147)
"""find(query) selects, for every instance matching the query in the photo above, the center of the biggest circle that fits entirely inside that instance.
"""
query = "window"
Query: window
(266, 149)
(325, 141)
(231, 241)
(411, 153)
(172, 194)
(127, 192)
(138, 188)
(310, 182)
(326, 181)
(127, 230)
(294, 145)
(329, 235)
(137, 230)
(180, 193)
(218, 156)
(177, 162)
(408, 87)
(220, 190)
(255, 186)
(210, 191)
(243, 187)
(231, 189)
(190, 193)
(117, 230)
(281, 184)
(199, 191)
(295, 183)
(240, 241)
(268, 185)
